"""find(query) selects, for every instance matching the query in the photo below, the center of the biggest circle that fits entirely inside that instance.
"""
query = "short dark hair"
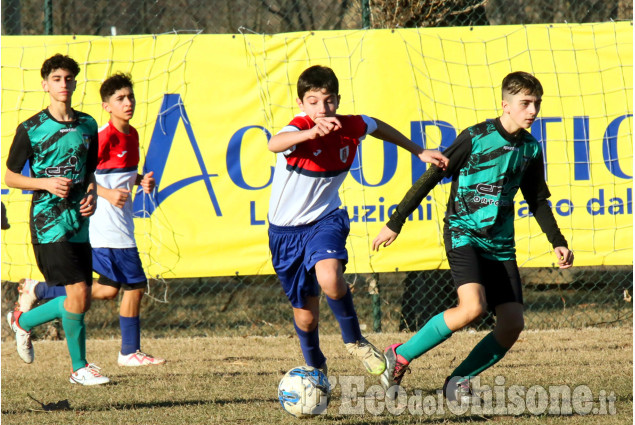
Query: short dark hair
(113, 83)
(318, 78)
(519, 81)
(59, 61)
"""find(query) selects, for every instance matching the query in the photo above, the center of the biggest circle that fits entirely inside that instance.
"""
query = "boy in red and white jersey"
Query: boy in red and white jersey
(307, 229)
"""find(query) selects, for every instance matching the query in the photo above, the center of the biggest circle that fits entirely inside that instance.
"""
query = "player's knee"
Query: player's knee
(106, 293)
(474, 311)
(81, 305)
(513, 328)
(307, 323)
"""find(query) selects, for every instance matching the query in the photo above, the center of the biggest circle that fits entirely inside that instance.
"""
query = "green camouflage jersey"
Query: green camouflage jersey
(57, 149)
(488, 166)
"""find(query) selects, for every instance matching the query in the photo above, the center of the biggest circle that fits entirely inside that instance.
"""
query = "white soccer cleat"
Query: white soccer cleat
(88, 375)
(27, 297)
(138, 359)
(371, 357)
(22, 337)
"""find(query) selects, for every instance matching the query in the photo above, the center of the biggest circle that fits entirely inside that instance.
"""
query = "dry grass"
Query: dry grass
(234, 380)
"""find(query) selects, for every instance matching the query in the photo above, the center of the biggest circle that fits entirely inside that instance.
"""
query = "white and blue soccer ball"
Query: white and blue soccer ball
(304, 391)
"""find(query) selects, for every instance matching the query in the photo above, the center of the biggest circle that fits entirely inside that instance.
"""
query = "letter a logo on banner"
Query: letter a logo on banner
(172, 111)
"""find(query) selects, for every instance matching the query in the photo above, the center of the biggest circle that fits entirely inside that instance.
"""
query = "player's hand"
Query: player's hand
(117, 197)
(565, 257)
(435, 157)
(385, 238)
(88, 204)
(148, 183)
(59, 186)
(325, 125)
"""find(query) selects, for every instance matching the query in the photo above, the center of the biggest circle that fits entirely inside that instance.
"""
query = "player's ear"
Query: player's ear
(300, 104)
(505, 106)
(106, 106)
(45, 86)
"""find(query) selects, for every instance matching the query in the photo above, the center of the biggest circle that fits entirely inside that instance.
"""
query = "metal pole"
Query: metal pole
(373, 289)
(48, 17)
(365, 13)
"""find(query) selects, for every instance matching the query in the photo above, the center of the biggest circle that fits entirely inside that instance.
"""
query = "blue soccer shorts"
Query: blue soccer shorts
(119, 267)
(295, 250)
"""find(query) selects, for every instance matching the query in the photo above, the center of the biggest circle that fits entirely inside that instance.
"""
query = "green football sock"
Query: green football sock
(75, 331)
(42, 314)
(432, 334)
(484, 355)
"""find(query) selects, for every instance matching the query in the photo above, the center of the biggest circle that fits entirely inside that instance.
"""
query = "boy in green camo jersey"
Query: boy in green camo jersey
(60, 145)
(489, 162)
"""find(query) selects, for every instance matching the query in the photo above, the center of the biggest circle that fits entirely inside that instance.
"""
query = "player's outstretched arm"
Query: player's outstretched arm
(323, 126)
(565, 257)
(390, 134)
(385, 238)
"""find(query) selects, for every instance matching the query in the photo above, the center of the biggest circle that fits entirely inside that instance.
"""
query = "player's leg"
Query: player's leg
(121, 269)
(75, 305)
(504, 294)
(306, 322)
(330, 277)
(326, 254)
(466, 273)
(59, 263)
(31, 291)
(287, 246)
(101, 291)
(130, 325)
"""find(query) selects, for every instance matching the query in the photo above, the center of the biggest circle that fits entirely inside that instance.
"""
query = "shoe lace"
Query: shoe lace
(465, 387)
(400, 371)
(94, 369)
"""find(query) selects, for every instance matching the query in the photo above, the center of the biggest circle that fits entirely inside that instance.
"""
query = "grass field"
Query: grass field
(234, 380)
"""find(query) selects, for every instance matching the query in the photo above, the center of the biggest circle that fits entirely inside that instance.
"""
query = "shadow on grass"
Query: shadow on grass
(158, 404)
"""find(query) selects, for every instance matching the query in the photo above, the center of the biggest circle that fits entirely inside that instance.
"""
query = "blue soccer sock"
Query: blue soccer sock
(45, 292)
(130, 334)
(310, 345)
(432, 334)
(344, 312)
(484, 355)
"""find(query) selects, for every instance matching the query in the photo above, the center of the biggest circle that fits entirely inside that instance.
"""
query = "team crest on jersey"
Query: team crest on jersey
(86, 138)
(344, 154)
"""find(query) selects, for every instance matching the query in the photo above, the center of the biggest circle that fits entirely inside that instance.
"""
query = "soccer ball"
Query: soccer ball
(304, 391)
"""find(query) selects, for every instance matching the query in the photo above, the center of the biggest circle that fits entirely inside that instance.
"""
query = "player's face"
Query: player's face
(521, 109)
(60, 85)
(319, 104)
(121, 105)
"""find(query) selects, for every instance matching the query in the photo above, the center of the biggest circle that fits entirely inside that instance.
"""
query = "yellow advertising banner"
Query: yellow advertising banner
(207, 104)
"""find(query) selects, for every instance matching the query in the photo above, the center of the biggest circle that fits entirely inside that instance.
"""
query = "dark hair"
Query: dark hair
(318, 78)
(113, 83)
(59, 61)
(521, 81)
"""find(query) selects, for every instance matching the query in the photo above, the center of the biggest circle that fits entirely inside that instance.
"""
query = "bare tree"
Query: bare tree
(426, 13)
